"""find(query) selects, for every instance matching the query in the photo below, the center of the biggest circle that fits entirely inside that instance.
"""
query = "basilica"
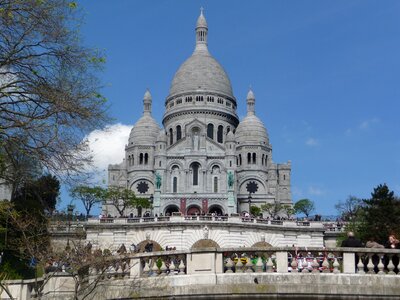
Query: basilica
(203, 159)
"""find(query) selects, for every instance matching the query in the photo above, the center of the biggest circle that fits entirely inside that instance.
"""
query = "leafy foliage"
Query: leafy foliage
(123, 198)
(350, 208)
(255, 210)
(273, 209)
(38, 195)
(88, 195)
(49, 95)
(304, 206)
(380, 215)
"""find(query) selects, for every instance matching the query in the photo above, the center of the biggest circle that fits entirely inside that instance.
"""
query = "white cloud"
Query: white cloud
(315, 191)
(368, 123)
(108, 145)
(312, 142)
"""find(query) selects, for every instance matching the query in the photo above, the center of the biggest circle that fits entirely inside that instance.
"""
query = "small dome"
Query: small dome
(162, 137)
(201, 20)
(251, 131)
(201, 72)
(230, 137)
(147, 95)
(250, 95)
(145, 131)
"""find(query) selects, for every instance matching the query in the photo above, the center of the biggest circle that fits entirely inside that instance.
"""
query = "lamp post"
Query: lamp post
(70, 209)
(249, 201)
(151, 199)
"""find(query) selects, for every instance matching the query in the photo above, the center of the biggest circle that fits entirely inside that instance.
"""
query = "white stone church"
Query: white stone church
(202, 159)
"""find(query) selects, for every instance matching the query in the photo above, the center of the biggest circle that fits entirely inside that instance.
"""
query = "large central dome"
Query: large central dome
(201, 71)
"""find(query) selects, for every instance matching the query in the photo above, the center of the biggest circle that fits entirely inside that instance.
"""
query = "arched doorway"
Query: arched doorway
(171, 209)
(193, 210)
(216, 209)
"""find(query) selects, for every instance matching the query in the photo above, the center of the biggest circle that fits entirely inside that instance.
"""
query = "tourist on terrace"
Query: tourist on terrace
(371, 243)
(393, 242)
(351, 241)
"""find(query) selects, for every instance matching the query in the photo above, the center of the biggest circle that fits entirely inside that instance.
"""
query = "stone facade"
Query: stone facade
(204, 158)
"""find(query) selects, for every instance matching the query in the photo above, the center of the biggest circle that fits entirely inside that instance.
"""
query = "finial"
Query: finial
(201, 10)
(201, 32)
(251, 100)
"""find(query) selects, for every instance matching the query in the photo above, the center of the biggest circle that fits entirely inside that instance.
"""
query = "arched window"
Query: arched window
(266, 159)
(171, 136)
(240, 159)
(215, 184)
(195, 170)
(220, 134)
(141, 158)
(146, 158)
(178, 132)
(254, 158)
(133, 160)
(210, 131)
(230, 163)
(159, 163)
(248, 158)
(228, 129)
(175, 185)
(262, 160)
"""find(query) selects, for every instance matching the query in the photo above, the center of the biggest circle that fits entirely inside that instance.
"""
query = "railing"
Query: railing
(272, 260)
(209, 218)
(162, 264)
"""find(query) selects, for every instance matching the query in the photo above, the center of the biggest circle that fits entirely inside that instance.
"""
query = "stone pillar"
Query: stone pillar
(349, 262)
(135, 268)
(157, 202)
(281, 262)
(232, 205)
(204, 263)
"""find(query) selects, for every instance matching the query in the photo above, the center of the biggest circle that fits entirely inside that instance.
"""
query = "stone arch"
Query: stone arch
(217, 209)
(174, 162)
(171, 209)
(261, 244)
(193, 209)
(205, 243)
(213, 163)
(141, 246)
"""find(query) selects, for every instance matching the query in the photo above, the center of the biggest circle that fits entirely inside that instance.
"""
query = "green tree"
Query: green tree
(350, 208)
(380, 215)
(273, 209)
(39, 195)
(304, 206)
(288, 210)
(49, 93)
(123, 198)
(255, 210)
(89, 196)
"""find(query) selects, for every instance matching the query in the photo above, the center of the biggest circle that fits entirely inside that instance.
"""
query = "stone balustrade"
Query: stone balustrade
(223, 219)
(310, 272)
(270, 260)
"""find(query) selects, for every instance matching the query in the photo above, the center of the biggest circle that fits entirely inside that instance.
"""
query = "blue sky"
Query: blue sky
(326, 76)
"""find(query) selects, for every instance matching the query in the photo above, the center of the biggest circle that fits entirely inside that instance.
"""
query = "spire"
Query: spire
(201, 33)
(147, 102)
(251, 101)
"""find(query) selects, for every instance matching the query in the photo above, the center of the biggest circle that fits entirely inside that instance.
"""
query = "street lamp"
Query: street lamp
(249, 201)
(70, 209)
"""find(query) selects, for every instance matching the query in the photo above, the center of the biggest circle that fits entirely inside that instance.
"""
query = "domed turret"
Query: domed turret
(162, 137)
(251, 129)
(230, 137)
(146, 129)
